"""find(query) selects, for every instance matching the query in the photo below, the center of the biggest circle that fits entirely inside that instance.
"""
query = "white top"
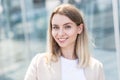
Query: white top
(70, 71)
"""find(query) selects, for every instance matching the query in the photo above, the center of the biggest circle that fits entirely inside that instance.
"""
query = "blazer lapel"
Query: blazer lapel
(56, 70)
(88, 74)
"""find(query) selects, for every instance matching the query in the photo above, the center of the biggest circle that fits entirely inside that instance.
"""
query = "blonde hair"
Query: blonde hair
(82, 41)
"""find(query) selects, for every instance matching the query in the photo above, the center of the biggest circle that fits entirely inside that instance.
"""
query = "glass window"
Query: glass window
(99, 19)
(22, 35)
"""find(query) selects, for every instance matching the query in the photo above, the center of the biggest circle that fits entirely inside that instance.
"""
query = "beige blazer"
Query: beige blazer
(39, 69)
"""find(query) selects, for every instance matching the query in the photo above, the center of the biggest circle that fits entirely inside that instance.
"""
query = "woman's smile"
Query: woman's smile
(62, 40)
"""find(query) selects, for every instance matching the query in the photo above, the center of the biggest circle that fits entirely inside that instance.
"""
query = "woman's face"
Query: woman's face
(64, 30)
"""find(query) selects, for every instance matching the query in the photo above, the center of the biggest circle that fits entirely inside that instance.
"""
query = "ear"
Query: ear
(80, 28)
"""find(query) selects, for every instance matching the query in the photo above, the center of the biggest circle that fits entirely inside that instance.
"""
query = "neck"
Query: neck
(68, 53)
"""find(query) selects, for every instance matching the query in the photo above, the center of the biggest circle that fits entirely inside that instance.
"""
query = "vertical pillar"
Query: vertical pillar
(25, 28)
(116, 32)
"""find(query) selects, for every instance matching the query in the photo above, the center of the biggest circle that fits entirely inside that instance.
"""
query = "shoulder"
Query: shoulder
(94, 66)
(95, 63)
(36, 66)
(40, 58)
(95, 70)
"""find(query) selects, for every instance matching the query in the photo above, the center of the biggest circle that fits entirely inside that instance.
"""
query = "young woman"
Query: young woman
(68, 57)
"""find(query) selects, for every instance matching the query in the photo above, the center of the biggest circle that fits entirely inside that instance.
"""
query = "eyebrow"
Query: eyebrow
(63, 24)
(67, 23)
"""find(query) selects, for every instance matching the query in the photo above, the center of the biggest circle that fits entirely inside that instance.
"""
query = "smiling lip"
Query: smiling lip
(62, 40)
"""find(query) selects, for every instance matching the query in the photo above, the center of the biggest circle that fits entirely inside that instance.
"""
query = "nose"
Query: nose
(61, 32)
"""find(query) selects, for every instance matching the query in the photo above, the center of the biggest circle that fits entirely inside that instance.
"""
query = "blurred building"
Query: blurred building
(23, 28)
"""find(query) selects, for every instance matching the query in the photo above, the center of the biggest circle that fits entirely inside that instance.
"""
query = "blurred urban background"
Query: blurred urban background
(23, 28)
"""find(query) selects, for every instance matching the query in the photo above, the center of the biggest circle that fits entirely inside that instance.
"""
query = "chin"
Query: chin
(62, 46)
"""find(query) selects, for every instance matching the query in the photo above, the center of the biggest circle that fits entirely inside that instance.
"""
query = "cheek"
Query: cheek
(72, 32)
(74, 35)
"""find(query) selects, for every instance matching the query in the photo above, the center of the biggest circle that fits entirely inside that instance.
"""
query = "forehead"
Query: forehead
(61, 19)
